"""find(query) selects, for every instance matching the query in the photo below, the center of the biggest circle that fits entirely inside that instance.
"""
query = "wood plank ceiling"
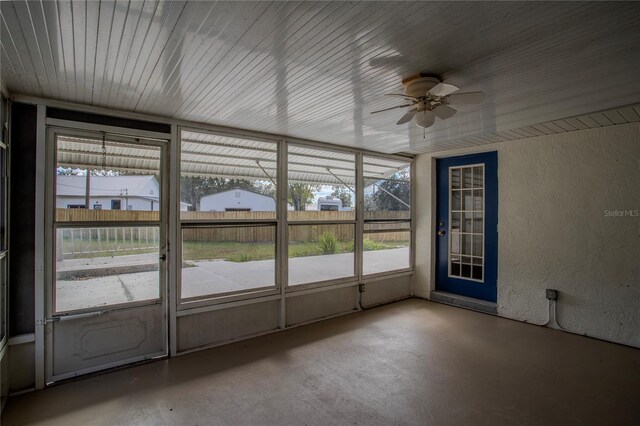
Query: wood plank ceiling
(316, 70)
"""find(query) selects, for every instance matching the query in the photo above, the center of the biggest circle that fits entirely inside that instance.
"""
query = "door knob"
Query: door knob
(442, 232)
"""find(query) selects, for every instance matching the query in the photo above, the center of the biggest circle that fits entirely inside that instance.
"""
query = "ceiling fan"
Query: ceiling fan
(429, 98)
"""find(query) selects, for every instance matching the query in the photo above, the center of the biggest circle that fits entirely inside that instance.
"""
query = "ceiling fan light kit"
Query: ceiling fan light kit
(429, 98)
(425, 118)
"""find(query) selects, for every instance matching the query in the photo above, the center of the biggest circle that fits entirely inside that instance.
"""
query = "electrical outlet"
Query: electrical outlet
(361, 288)
(552, 294)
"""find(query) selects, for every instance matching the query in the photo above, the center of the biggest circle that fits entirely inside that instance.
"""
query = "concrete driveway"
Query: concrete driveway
(204, 277)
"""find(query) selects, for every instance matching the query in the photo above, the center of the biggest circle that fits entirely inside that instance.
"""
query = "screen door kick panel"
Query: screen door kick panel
(466, 222)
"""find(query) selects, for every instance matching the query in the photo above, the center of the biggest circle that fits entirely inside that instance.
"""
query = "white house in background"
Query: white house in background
(237, 200)
(110, 193)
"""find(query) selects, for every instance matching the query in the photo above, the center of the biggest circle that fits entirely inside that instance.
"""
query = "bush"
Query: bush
(373, 245)
(328, 243)
(241, 257)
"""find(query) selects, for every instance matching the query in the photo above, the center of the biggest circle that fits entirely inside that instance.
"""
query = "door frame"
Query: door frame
(491, 261)
(60, 127)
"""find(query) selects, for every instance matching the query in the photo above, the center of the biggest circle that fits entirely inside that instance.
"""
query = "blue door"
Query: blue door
(467, 225)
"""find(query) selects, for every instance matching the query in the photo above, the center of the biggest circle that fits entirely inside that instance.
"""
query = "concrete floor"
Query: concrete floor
(413, 362)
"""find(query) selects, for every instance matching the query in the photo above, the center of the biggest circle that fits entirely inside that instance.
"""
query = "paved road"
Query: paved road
(207, 277)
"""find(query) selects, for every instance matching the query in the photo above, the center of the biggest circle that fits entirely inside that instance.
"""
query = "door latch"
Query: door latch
(163, 257)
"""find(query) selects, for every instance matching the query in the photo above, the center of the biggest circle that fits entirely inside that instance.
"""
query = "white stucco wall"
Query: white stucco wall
(231, 199)
(554, 231)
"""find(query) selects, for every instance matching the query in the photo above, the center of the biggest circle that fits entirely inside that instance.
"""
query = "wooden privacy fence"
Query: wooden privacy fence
(88, 215)
(247, 233)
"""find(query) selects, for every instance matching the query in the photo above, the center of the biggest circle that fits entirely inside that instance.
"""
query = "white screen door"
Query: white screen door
(106, 303)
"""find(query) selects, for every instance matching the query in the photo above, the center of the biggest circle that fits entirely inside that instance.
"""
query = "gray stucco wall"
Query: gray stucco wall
(558, 228)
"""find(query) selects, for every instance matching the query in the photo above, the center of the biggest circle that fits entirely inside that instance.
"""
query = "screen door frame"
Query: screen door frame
(51, 316)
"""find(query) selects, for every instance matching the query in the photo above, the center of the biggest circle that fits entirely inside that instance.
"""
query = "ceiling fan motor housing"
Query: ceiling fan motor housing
(419, 86)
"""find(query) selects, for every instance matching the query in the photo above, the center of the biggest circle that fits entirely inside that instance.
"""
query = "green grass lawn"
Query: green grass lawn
(243, 252)
(230, 251)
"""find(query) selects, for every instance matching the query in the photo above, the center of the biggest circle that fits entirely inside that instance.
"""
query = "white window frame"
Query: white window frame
(352, 222)
(185, 304)
(410, 229)
(175, 310)
(207, 302)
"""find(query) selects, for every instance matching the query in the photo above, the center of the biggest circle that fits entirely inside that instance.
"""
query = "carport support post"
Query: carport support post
(87, 190)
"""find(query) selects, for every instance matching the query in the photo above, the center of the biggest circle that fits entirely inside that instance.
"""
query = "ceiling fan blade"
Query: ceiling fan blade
(425, 118)
(468, 98)
(407, 116)
(443, 112)
(400, 95)
(443, 89)
(387, 109)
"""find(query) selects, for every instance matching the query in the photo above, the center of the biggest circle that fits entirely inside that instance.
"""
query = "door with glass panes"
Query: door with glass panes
(106, 285)
(466, 229)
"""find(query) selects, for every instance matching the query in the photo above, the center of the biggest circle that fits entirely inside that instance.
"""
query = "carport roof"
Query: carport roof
(213, 155)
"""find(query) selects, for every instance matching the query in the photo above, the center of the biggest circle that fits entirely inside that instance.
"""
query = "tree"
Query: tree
(265, 187)
(300, 195)
(393, 194)
(343, 194)
(191, 189)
